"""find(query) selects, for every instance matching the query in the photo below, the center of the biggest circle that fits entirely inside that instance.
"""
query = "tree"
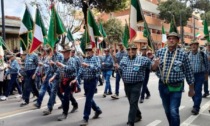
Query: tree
(173, 7)
(206, 16)
(114, 30)
(100, 5)
(201, 5)
(67, 13)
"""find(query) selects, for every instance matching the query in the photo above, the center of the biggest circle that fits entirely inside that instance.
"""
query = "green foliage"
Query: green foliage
(176, 8)
(202, 5)
(114, 30)
(101, 5)
(206, 16)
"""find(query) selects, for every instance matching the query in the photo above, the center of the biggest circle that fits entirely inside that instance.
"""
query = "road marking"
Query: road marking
(154, 123)
(31, 108)
(181, 107)
(205, 114)
(189, 120)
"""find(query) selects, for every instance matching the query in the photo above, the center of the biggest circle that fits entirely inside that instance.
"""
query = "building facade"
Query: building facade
(151, 15)
(12, 26)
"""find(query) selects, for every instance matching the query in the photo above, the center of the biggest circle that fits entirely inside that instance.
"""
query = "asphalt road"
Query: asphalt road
(115, 112)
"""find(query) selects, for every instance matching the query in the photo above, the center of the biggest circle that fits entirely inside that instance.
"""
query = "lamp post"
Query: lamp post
(3, 20)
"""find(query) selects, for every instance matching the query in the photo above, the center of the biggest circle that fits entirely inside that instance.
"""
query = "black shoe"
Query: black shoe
(205, 95)
(46, 112)
(74, 109)
(37, 105)
(130, 124)
(23, 104)
(100, 85)
(148, 96)
(34, 100)
(97, 114)
(104, 95)
(110, 93)
(194, 111)
(84, 123)
(60, 107)
(62, 117)
(78, 90)
(96, 91)
(138, 118)
(141, 101)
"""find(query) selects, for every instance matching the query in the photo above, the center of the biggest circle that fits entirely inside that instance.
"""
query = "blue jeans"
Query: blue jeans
(28, 85)
(107, 75)
(89, 87)
(11, 83)
(117, 83)
(171, 102)
(197, 98)
(44, 87)
(38, 81)
(144, 87)
(54, 87)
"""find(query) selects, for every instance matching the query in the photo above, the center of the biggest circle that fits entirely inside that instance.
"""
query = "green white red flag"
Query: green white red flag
(38, 38)
(135, 17)
(93, 29)
(164, 37)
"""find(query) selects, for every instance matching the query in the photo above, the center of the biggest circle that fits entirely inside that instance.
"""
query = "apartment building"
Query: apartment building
(151, 13)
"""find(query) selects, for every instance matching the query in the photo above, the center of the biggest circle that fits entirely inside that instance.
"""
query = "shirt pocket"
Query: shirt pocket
(177, 66)
(136, 67)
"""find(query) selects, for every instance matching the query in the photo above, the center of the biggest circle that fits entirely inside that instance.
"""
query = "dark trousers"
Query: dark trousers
(117, 83)
(100, 80)
(3, 88)
(133, 92)
(90, 86)
(145, 89)
(29, 86)
(67, 96)
(197, 98)
(11, 83)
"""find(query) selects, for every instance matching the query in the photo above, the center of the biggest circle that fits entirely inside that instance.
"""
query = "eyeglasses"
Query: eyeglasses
(133, 49)
(88, 50)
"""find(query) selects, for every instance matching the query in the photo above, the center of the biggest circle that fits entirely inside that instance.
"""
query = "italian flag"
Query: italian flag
(135, 17)
(164, 37)
(38, 38)
(93, 29)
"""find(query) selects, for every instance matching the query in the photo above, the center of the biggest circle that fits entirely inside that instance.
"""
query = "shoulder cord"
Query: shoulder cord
(164, 65)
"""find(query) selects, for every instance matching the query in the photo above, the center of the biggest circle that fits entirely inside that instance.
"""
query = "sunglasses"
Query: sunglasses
(88, 50)
(131, 49)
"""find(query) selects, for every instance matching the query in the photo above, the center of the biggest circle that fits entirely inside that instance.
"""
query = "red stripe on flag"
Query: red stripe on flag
(132, 33)
(36, 43)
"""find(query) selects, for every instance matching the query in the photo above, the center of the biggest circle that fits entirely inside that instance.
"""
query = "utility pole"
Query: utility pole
(181, 30)
(3, 20)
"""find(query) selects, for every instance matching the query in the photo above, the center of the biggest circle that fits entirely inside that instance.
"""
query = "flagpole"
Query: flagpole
(150, 38)
(161, 76)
